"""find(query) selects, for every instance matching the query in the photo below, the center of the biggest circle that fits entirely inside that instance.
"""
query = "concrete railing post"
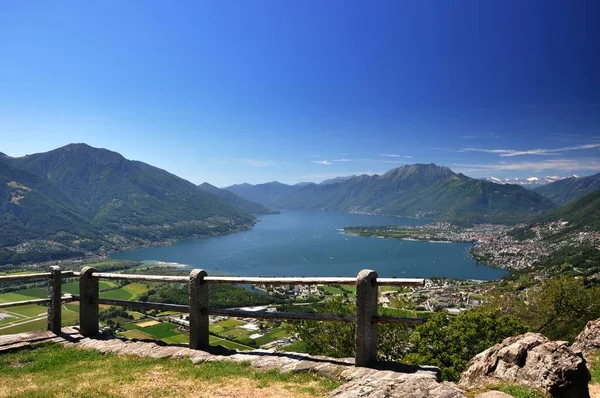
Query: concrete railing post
(198, 310)
(89, 291)
(55, 305)
(366, 309)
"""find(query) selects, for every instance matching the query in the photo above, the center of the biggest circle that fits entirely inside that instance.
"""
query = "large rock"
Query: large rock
(589, 338)
(405, 386)
(533, 361)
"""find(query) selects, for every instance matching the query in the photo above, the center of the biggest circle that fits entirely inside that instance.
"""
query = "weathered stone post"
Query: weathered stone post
(89, 291)
(55, 305)
(198, 310)
(366, 309)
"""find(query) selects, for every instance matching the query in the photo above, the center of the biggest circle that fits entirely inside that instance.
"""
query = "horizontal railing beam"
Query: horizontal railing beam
(147, 278)
(26, 302)
(261, 280)
(26, 277)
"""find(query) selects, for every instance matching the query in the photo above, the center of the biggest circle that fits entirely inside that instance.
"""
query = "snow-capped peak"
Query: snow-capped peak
(529, 182)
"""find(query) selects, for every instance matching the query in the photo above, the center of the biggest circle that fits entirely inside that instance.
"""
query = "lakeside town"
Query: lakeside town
(495, 245)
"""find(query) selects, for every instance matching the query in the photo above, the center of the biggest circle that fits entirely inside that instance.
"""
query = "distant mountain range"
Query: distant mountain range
(78, 198)
(238, 201)
(529, 182)
(420, 190)
(569, 189)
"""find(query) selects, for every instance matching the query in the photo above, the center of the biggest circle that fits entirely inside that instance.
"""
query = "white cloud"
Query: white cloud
(393, 155)
(346, 160)
(512, 152)
(566, 165)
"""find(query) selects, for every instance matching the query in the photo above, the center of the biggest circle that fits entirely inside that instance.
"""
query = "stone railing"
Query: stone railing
(366, 318)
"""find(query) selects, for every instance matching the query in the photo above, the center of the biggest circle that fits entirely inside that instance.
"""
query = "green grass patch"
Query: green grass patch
(181, 338)
(48, 371)
(40, 324)
(214, 340)
(296, 346)
(73, 287)
(594, 362)
(520, 392)
(117, 294)
(274, 334)
(23, 295)
(31, 310)
(220, 327)
(135, 289)
(162, 330)
(136, 334)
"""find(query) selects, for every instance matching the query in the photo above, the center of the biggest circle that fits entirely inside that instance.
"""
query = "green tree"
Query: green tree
(450, 343)
(336, 339)
(560, 307)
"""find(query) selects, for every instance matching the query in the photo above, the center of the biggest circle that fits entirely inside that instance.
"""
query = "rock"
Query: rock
(533, 361)
(494, 394)
(405, 386)
(589, 338)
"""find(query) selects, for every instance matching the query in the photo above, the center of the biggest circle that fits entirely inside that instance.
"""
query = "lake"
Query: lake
(310, 243)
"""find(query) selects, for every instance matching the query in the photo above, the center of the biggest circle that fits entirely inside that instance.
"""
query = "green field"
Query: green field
(73, 287)
(274, 334)
(136, 334)
(23, 295)
(220, 327)
(127, 292)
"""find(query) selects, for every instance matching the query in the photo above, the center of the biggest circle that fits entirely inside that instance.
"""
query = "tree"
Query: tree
(558, 308)
(336, 339)
(450, 343)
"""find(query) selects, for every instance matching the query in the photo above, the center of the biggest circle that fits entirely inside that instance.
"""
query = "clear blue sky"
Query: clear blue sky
(255, 91)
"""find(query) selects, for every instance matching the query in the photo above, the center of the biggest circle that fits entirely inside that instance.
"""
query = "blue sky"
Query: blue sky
(256, 91)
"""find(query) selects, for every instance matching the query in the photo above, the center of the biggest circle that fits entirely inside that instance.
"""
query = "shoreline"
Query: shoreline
(377, 234)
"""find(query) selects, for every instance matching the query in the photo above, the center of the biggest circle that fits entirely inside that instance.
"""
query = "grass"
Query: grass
(136, 334)
(511, 389)
(594, 361)
(117, 294)
(220, 327)
(23, 295)
(73, 287)
(49, 371)
(296, 346)
(274, 334)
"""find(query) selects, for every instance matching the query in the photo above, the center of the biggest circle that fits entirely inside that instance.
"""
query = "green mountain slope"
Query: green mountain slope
(421, 190)
(267, 194)
(31, 208)
(564, 191)
(132, 198)
(582, 213)
(238, 201)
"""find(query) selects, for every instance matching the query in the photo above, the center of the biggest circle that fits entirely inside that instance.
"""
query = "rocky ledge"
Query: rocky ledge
(534, 361)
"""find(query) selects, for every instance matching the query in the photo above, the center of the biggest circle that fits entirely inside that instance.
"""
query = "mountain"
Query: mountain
(32, 209)
(267, 194)
(100, 190)
(238, 201)
(581, 214)
(529, 182)
(420, 190)
(569, 189)
(336, 180)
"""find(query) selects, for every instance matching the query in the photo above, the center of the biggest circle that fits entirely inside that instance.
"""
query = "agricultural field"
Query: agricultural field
(33, 317)
(128, 292)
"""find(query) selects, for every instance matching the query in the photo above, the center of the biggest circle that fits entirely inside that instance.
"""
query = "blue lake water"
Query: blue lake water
(309, 243)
